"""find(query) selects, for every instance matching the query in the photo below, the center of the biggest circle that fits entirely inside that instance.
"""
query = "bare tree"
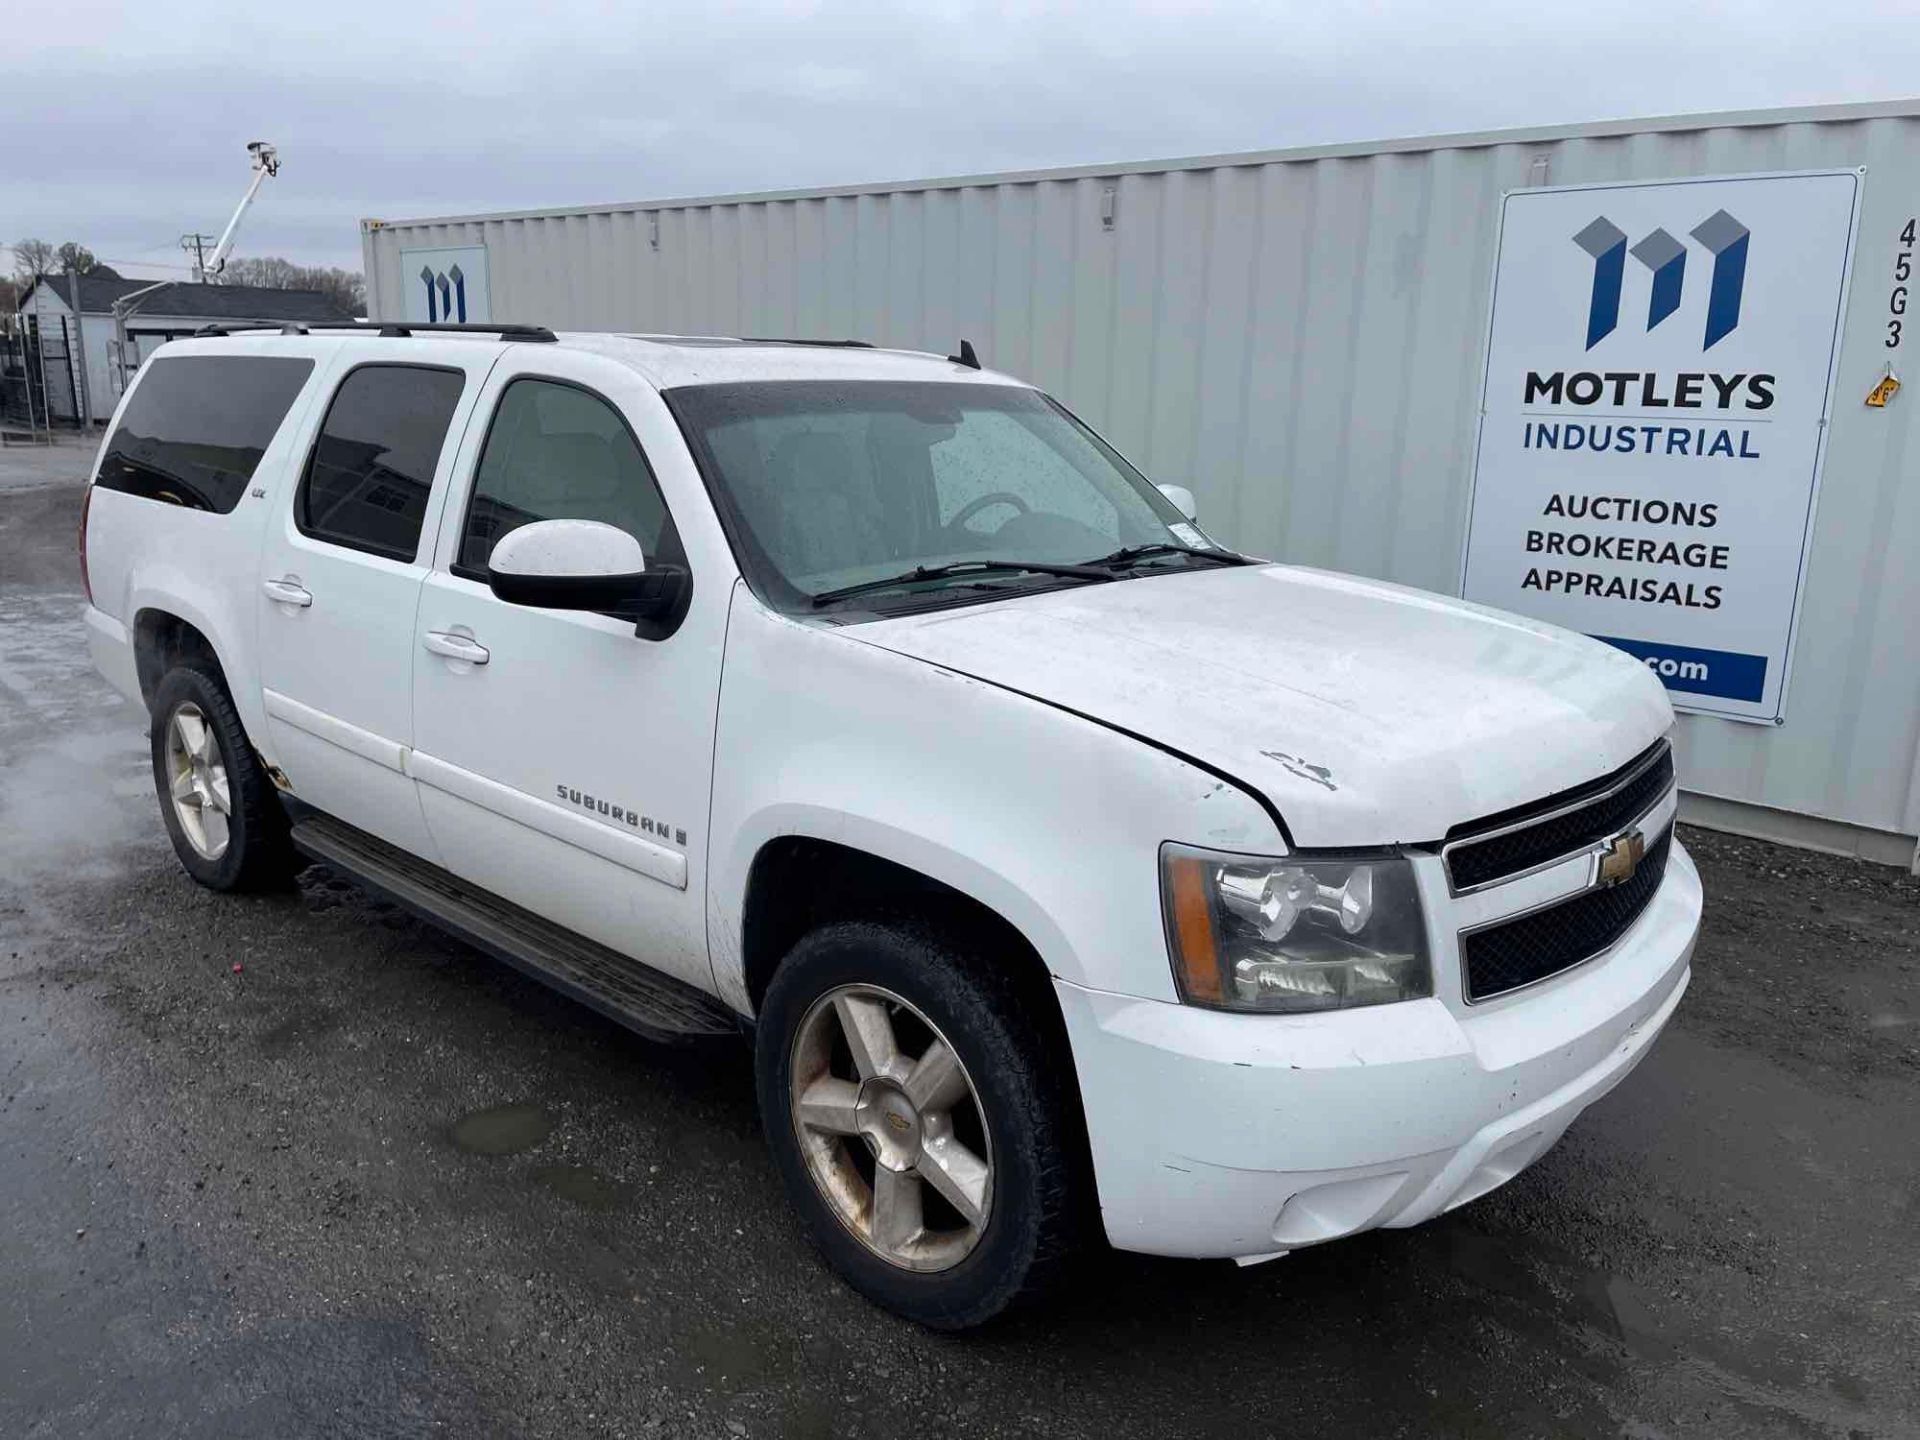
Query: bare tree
(345, 288)
(269, 272)
(32, 259)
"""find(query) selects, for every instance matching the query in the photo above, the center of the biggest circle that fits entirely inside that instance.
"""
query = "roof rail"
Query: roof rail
(391, 330)
(824, 344)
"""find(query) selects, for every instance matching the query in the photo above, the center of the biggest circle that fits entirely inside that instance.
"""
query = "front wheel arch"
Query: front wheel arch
(1040, 1212)
(799, 884)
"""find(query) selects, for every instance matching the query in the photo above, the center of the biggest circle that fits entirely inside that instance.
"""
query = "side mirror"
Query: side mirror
(587, 565)
(1182, 497)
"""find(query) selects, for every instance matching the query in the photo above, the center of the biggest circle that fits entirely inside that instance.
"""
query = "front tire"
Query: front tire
(225, 822)
(920, 1122)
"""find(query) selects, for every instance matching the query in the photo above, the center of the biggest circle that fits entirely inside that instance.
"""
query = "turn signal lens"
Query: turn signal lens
(1192, 915)
(1290, 935)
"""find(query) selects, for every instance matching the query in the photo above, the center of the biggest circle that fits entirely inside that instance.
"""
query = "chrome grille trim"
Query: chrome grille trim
(1622, 780)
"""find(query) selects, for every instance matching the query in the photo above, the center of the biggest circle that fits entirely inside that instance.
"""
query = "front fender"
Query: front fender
(1051, 820)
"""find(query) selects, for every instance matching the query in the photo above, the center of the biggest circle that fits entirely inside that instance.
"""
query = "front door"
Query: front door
(563, 762)
(340, 579)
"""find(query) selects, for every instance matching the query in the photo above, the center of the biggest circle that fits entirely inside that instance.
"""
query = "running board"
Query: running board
(624, 990)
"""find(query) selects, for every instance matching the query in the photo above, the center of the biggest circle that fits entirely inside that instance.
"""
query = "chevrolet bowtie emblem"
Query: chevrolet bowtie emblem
(1621, 857)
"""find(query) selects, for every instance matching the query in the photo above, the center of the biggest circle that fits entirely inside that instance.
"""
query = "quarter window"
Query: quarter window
(197, 426)
(557, 452)
(372, 467)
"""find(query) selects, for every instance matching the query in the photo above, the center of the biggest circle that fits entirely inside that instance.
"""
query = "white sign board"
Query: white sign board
(1659, 363)
(447, 285)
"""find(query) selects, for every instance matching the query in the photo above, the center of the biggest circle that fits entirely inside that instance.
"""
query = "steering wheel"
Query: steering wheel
(973, 507)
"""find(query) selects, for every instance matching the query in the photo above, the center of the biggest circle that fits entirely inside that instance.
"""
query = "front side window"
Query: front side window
(371, 470)
(830, 484)
(557, 452)
(197, 425)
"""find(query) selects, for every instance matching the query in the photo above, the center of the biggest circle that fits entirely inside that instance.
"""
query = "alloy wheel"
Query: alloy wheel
(197, 782)
(892, 1128)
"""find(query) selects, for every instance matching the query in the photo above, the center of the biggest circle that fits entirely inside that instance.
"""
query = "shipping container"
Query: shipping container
(1302, 337)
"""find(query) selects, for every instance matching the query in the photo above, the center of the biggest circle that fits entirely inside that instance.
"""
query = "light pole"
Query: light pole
(265, 161)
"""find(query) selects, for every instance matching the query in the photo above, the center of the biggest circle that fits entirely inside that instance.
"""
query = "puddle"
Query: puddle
(503, 1130)
(1616, 1306)
(78, 786)
(1557, 1288)
(582, 1185)
(70, 806)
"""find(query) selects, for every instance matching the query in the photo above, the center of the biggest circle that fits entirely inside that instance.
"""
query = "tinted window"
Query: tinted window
(366, 486)
(555, 452)
(197, 425)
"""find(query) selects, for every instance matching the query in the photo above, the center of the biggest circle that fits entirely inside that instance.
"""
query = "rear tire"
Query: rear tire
(220, 809)
(943, 1184)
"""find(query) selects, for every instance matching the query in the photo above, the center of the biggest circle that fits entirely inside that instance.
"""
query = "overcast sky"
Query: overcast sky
(126, 124)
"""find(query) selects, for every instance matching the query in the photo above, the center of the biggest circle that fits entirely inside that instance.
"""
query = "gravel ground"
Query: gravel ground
(300, 1166)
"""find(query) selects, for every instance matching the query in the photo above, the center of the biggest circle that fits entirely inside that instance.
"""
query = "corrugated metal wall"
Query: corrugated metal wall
(1298, 336)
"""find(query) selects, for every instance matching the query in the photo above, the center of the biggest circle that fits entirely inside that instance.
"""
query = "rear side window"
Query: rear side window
(556, 452)
(372, 466)
(197, 425)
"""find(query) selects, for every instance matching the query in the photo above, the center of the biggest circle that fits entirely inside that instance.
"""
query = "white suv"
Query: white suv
(1074, 875)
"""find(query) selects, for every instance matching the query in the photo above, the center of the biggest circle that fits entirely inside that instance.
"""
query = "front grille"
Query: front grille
(1518, 952)
(1569, 825)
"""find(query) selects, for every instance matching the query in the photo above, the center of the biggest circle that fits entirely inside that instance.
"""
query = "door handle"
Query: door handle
(287, 592)
(456, 647)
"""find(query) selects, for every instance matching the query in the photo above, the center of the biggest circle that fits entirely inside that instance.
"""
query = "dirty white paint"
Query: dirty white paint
(1034, 755)
(1378, 692)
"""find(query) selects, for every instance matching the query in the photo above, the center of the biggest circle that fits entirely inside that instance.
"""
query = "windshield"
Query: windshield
(828, 486)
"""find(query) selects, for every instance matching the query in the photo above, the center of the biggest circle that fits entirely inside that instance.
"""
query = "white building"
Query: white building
(169, 313)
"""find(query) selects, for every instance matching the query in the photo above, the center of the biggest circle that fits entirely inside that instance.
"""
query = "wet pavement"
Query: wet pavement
(298, 1166)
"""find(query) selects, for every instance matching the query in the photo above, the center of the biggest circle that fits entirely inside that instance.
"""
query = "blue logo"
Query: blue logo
(1720, 235)
(451, 298)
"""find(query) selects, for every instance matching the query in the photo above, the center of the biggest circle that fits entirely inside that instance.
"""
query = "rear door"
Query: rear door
(341, 571)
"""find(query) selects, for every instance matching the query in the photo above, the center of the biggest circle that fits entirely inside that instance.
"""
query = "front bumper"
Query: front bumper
(1217, 1134)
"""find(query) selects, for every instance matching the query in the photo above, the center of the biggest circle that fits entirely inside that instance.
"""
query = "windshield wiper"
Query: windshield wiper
(1127, 554)
(963, 567)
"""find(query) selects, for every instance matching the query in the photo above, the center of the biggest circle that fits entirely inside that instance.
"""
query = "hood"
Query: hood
(1367, 713)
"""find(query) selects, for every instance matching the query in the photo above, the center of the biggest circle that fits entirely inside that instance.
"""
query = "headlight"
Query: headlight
(1254, 933)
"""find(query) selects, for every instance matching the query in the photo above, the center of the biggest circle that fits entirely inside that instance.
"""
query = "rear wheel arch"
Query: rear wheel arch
(216, 796)
(162, 641)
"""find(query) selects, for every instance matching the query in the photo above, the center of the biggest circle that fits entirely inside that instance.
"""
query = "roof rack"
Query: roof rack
(391, 330)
